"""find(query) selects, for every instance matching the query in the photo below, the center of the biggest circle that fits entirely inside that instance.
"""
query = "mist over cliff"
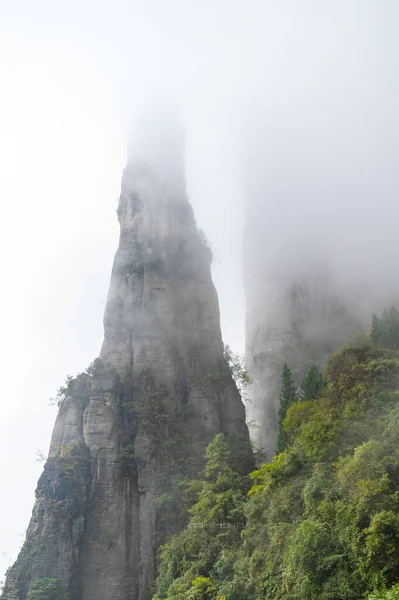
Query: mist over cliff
(290, 110)
(137, 422)
(321, 182)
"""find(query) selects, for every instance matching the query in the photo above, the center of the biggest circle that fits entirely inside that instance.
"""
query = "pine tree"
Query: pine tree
(288, 396)
(189, 561)
(221, 496)
(313, 384)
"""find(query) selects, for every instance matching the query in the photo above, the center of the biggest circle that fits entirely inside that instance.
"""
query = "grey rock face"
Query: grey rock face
(159, 393)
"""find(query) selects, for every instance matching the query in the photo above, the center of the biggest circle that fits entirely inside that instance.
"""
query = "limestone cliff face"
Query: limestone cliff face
(142, 417)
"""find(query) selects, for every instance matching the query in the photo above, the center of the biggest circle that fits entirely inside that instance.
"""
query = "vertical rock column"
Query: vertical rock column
(158, 394)
(162, 315)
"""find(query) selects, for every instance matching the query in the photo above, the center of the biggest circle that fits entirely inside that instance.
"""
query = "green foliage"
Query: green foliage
(48, 589)
(288, 396)
(321, 521)
(95, 366)
(233, 366)
(313, 384)
(392, 594)
(217, 455)
(385, 329)
(201, 589)
(163, 420)
(217, 517)
(127, 457)
(64, 389)
(236, 367)
(62, 392)
(220, 499)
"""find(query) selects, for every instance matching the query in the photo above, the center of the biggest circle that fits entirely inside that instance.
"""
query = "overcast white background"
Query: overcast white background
(73, 76)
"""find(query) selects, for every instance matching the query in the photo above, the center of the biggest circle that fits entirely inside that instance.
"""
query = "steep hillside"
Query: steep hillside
(322, 520)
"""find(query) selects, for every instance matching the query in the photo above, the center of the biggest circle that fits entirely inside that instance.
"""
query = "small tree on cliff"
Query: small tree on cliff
(288, 396)
(236, 366)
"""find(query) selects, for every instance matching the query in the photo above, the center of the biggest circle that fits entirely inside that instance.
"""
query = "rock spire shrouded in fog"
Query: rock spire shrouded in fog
(296, 319)
(307, 289)
(140, 419)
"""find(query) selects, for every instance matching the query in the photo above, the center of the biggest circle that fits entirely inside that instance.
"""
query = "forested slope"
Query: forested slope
(321, 521)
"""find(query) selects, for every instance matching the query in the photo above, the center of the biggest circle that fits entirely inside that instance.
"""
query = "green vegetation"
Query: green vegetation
(236, 368)
(385, 329)
(232, 366)
(288, 396)
(64, 389)
(48, 589)
(62, 392)
(321, 521)
(392, 594)
(213, 532)
(163, 420)
(94, 367)
(313, 384)
(311, 388)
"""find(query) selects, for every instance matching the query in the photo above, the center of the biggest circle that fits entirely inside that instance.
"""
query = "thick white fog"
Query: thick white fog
(321, 175)
(289, 107)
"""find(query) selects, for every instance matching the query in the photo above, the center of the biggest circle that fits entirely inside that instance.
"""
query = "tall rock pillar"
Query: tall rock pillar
(141, 418)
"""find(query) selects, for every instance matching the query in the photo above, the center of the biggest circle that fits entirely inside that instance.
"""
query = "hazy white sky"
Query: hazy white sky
(73, 77)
